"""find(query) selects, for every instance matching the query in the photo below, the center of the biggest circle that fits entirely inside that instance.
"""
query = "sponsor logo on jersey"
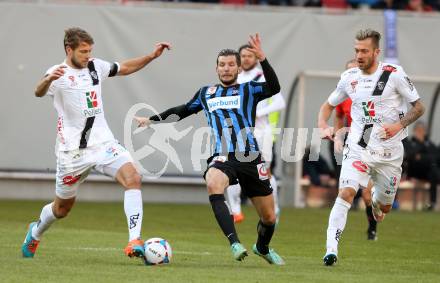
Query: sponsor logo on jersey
(72, 81)
(360, 166)
(353, 85)
(70, 180)
(410, 83)
(228, 102)
(370, 113)
(211, 90)
(389, 68)
(263, 174)
(369, 109)
(92, 99)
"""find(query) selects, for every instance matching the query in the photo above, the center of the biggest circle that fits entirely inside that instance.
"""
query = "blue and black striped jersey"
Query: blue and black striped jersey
(230, 111)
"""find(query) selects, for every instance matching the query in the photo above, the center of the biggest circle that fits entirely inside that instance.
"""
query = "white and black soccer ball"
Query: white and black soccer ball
(157, 251)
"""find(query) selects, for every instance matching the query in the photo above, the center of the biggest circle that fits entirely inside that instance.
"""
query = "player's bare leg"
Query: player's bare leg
(266, 225)
(216, 183)
(130, 179)
(372, 223)
(336, 223)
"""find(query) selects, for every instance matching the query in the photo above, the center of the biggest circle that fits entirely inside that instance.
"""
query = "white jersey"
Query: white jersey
(77, 100)
(370, 112)
(264, 108)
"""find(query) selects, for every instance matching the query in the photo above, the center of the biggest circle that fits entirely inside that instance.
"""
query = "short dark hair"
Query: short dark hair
(74, 36)
(369, 33)
(244, 46)
(230, 52)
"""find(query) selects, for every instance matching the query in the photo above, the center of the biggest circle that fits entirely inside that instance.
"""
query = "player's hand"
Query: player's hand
(255, 43)
(160, 47)
(327, 133)
(142, 121)
(389, 130)
(57, 73)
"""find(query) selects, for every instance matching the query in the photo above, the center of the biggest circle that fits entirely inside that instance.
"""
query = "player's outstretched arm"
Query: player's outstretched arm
(133, 65)
(168, 116)
(44, 84)
(324, 115)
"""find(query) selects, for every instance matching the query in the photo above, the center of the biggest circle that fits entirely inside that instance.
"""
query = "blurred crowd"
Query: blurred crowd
(406, 5)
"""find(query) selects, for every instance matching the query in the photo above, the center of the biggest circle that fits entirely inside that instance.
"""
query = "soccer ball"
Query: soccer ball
(157, 251)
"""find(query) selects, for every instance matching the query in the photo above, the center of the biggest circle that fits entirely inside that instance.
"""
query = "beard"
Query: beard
(229, 82)
(366, 64)
(248, 68)
(77, 64)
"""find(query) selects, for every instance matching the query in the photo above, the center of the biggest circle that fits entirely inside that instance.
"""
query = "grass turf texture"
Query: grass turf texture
(88, 247)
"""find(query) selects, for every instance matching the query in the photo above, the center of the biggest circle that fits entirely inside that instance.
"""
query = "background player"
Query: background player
(343, 119)
(379, 94)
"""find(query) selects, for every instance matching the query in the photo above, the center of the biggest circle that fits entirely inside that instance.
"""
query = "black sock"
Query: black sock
(224, 218)
(371, 222)
(265, 233)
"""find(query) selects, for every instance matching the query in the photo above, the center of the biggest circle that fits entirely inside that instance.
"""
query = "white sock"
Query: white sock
(133, 211)
(233, 195)
(274, 184)
(336, 224)
(46, 219)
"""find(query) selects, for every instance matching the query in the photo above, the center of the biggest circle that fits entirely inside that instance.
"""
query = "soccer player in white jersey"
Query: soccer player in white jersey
(262, 130)
(380, 93)
(84, 140)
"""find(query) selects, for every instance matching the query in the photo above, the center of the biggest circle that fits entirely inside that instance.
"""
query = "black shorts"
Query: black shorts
(252, 176)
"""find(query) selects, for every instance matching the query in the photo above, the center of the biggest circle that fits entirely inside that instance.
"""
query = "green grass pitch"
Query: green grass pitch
(88, 246)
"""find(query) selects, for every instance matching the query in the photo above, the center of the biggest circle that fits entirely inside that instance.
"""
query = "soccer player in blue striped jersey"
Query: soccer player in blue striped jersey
(230, 110)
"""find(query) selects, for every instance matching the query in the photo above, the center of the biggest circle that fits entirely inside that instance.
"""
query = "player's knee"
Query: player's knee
(385, 208)
(214, 187)
(61, 211)
(133, 181)
(269, 219)
(347, 194)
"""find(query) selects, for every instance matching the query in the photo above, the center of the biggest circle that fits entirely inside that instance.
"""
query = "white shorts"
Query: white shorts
(74, 166)
(265, 142)
(384, 167)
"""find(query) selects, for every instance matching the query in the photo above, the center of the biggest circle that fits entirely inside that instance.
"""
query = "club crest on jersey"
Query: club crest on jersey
(227, 102)
(211, 90)
(94, 75)
(380, 85)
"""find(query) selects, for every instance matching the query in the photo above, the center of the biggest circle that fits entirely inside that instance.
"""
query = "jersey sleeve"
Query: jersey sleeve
(339, 94)
(195, 104)
(339, 110)
(405, 86)
(53, 86)
(106, 69)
